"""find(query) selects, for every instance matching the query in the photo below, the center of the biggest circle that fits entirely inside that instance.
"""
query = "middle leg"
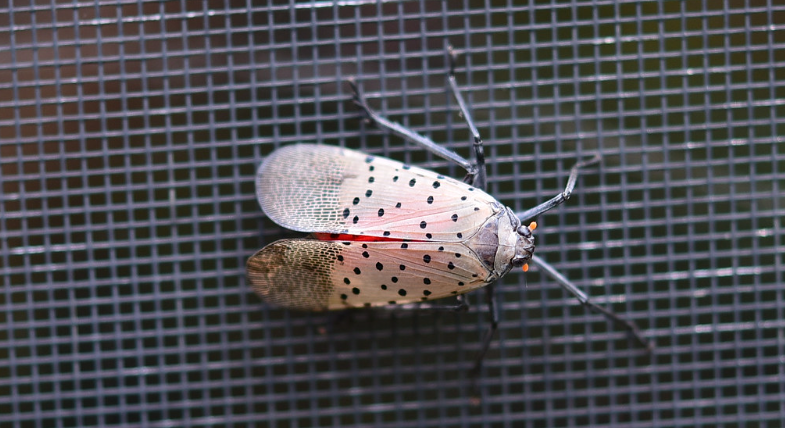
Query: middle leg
(475, 173)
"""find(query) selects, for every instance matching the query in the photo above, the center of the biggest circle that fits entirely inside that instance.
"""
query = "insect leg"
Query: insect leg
(477, 180)
(561, 197)
(406, 133)
(493, 312)
(461, 306)
(631, 328)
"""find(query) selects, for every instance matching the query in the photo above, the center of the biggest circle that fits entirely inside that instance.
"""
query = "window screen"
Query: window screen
(130, 134)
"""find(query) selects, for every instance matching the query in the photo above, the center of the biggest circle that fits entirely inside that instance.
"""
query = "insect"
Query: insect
(387, 233)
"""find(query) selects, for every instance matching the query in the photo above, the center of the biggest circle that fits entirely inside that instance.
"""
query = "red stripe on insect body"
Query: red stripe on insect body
(362, 238)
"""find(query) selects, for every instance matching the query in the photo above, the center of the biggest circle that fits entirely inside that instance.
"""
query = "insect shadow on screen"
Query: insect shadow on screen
(385, 233)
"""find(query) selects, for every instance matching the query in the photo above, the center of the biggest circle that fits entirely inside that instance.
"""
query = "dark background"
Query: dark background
(130, 133)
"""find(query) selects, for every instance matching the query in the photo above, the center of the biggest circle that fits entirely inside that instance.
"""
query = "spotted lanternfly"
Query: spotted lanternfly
(386, 233)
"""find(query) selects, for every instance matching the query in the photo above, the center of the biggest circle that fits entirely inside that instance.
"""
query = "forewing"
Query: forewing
(318, 275)
(319, 188)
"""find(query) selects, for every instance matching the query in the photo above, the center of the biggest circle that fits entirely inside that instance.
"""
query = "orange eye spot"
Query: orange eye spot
(525, 267)
(532, 226)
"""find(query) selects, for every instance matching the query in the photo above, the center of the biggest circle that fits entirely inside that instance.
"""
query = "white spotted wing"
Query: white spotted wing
(314, 275)
(320, 188)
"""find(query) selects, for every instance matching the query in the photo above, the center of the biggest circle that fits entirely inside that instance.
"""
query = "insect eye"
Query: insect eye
(524, 231)
(518, 261)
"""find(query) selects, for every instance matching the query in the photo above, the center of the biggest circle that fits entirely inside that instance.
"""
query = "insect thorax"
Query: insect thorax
(499, 245)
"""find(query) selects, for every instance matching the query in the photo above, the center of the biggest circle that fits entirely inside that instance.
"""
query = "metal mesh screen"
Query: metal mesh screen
(130, 133)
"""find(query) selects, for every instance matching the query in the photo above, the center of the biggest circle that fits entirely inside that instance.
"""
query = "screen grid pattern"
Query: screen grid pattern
(131, 131)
